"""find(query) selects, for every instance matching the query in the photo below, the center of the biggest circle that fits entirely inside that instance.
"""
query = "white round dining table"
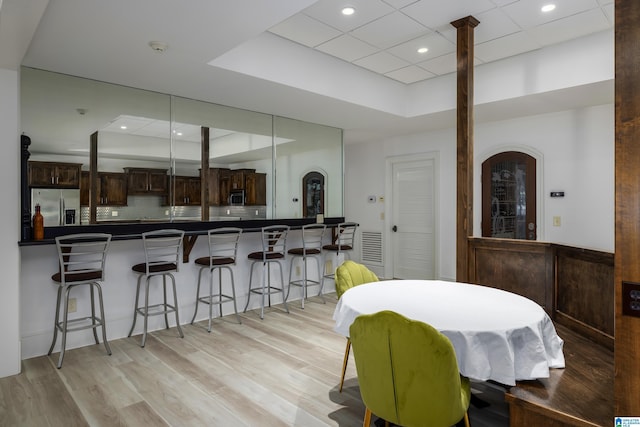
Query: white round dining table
(497, 335)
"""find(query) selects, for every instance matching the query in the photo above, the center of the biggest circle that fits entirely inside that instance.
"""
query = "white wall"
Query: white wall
(577, 156)
(10, 224)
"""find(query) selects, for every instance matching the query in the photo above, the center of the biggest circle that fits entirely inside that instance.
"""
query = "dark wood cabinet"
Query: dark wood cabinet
(219, 182)
(54, 174)
(112, 189)
(238, 178)
(85, 187)
(144, 181)
(187, 191)
(256, 189)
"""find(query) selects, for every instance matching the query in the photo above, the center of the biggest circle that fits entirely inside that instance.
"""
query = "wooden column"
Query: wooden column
(627, 187)
(464, 199)
(204, 173)
(93, 178)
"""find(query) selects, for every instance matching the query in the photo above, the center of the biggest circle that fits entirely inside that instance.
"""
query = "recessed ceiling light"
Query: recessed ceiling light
(548, 7)
(348, 10)
(123, 127)
(423, 50)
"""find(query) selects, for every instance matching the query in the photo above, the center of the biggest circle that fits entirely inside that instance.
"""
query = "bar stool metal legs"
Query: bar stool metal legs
(341, 246)
(223, 247)
(163, 308)
(273, 252)
(312, 235)
(162, 258)
(82, 258)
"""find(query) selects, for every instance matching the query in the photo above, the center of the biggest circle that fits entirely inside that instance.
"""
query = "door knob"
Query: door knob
(395, 228)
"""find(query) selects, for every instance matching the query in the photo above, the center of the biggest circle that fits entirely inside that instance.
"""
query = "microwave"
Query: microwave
(236, 198)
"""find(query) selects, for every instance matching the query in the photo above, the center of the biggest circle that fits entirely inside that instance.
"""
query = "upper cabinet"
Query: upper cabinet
(147, 181)
(187, 191)
(112, 189)
(255, 189)
(238, 178)
(219, 181)
(54, 174)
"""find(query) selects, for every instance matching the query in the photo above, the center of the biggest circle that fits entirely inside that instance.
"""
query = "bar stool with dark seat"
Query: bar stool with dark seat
(223, 248)
(312, 235)
(82, 260)
(274, 250)
(162, 258)
(341, 247)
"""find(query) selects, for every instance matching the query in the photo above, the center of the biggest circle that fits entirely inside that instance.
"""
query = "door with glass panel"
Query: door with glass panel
(509, 196)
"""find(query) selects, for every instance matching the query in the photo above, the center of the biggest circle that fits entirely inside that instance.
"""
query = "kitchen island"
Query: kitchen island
(40, 262)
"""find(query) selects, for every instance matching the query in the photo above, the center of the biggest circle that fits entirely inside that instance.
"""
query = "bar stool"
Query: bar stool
(312, 235)
(223, 248)
(82, 262)
(274, 249)
(162, 257)
(342, 245)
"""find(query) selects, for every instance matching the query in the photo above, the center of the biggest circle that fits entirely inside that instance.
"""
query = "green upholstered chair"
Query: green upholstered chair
(348, 275)
(408, 372)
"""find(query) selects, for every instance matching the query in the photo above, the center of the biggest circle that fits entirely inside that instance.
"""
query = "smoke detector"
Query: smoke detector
(158, 46)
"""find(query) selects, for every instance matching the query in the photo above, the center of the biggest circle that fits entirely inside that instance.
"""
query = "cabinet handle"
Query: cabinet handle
(52, 179)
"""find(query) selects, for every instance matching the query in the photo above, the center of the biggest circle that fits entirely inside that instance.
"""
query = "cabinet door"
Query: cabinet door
(138, 181)
(192, 191)
(85, 187)
(54, 175)
(187, 191)
(224, 184)
(113, 189)
(41, 174)
(256, 189)
(158, 182)
(67, 176)
(218, 186)
(237, 180)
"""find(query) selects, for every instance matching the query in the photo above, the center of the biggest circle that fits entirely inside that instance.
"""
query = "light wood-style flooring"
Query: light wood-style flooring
(280, 371)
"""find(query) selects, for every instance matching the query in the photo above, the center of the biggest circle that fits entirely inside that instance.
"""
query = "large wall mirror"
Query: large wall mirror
(149, 152)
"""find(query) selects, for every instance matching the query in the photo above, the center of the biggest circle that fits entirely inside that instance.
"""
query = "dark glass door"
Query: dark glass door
(509, 196)
(313, 194)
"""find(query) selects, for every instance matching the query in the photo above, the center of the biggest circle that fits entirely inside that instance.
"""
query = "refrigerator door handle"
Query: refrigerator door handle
(61, 216)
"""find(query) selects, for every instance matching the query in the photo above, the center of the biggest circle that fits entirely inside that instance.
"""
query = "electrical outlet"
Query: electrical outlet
(631, 299)
(556, 221)
(297, 270)
(72, 305)
(328, 267)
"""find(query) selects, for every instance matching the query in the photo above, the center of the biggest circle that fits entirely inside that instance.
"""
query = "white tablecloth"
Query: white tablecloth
(497, 335)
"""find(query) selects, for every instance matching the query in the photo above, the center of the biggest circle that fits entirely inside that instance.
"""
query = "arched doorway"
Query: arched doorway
(312, 194)
(509, 196)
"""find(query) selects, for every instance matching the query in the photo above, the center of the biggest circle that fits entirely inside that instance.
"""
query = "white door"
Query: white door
(412, 222)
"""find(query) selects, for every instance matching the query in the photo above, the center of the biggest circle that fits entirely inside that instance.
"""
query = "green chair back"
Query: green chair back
(407, 371)
(351, 274)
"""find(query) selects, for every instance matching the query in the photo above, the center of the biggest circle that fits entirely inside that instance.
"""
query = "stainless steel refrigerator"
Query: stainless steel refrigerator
(58, 206)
